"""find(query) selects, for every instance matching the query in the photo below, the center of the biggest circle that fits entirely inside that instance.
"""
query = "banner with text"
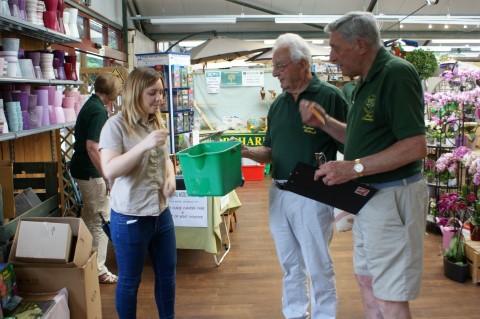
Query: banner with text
(242, 78)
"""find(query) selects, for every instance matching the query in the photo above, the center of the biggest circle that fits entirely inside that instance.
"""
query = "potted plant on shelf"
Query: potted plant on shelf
(429, 170)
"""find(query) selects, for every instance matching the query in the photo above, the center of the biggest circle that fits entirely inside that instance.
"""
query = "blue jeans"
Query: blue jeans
(133, 237)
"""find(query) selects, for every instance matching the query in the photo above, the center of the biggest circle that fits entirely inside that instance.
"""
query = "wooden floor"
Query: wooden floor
(248, 283)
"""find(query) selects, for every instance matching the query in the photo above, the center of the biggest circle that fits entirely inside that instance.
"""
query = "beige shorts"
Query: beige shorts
(388, 238)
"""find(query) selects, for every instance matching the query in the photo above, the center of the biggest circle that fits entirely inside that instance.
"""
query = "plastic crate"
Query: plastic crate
(211, 168)
(253, 173)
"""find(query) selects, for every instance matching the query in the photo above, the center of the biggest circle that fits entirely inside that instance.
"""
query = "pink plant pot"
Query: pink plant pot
(59, 115)
(74, 94)
(52, 115)
(39, 110)
(69, 102)
(32, 102)
(58, 98)
(42, 98)
(46, 116)
(70, 115)
(51, 92)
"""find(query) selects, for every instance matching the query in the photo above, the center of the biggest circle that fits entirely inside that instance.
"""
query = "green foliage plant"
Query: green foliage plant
(424, 62)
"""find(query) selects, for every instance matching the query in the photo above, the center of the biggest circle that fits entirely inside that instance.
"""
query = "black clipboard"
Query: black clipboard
(349, 196)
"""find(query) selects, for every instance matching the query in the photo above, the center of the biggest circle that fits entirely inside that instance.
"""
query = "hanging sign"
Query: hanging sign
(212, 81)
(231, 78)
(253, 78)
(243, 78)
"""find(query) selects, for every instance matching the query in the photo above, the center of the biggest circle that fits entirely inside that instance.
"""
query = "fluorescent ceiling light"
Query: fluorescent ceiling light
(449, 48)
(446, 41)
(318, 41)
(190, 44)
(305, 18)
(193, 20)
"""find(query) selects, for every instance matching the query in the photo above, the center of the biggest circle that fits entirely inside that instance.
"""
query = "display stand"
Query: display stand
(211, 238)
(179, 104)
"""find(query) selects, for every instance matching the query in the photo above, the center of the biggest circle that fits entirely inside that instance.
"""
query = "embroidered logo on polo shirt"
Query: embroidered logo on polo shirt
(368, 108)
(309, 130)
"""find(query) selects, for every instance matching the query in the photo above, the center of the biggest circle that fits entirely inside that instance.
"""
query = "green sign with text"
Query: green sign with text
(231, 78)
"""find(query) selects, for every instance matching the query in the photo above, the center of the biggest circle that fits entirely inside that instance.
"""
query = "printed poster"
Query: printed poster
(188, 211)
(231, 78)
(253, 78)
(212, 81)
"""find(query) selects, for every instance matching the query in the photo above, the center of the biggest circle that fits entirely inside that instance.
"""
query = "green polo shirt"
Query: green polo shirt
(347, 90)
(388, 107)
(292, 141)
(90, 121)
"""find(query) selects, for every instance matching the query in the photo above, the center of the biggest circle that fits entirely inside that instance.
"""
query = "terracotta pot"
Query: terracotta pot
(475, 233)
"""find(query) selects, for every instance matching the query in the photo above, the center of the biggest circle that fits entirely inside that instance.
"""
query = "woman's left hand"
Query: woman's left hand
(169, 187)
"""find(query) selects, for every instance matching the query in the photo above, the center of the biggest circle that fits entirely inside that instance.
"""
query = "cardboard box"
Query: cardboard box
(82, 284)
(25, 201)
(43, 242)
(81, 243)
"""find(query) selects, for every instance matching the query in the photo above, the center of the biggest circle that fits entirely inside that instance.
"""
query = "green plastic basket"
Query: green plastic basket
(212, 168)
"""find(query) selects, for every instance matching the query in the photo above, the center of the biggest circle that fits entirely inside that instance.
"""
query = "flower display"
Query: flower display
(453, 209)
(448, 162)
(429, 165)
(461, 75)
(450, 205)
(449, 106)
(472, 164)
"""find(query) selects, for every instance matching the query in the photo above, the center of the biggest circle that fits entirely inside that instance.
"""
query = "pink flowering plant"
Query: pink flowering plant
(448, 106)
(471, 161)
(453, 209)
(429, 167)
(461, 75)
(450, 206)
(447, 163)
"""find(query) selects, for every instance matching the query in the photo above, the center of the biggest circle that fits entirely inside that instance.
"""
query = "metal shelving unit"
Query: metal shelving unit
(12, 24)
(48, 128)
(39, 81)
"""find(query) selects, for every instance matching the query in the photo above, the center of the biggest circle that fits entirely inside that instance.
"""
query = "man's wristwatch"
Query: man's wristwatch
(358, 167)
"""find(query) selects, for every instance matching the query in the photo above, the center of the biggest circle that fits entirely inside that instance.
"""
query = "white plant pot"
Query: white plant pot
(449, 142)
(66, 19)
(72, 22)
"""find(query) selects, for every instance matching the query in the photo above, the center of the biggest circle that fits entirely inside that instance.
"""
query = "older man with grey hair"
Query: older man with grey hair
(384, 146)
(301, 228)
